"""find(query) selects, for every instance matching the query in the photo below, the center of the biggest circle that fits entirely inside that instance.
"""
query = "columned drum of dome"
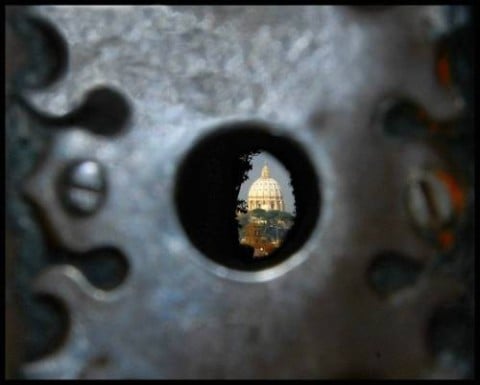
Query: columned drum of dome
(265, 193)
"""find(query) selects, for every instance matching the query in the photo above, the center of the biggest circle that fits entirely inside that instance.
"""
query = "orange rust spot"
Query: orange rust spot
(443, 70)
(446, 239)
(456, 191)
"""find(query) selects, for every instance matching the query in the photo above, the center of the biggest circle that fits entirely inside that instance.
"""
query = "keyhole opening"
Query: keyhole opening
(207, 193)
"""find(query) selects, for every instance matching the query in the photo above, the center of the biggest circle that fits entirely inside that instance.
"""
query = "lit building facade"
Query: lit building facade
(265, 193)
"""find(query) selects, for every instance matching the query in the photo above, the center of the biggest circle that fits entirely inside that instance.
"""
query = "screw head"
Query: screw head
(82, 187)
(429, 202)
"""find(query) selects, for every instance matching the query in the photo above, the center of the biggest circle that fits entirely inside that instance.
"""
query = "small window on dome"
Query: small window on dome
(264, 224)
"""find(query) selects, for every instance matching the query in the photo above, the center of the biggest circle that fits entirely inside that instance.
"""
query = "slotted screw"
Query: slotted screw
(429, 201)
(82, 187)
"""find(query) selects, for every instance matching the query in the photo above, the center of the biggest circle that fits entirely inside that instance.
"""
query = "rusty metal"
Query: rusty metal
(316, 76)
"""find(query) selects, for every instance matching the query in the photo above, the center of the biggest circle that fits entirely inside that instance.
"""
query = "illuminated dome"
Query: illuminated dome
(265, 193)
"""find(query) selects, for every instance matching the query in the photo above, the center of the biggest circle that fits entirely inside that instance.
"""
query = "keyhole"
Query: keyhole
(207, 194)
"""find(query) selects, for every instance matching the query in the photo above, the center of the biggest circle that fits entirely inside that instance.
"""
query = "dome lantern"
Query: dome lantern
(265, 171)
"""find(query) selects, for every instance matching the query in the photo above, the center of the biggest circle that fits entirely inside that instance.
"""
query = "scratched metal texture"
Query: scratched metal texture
(318, 75)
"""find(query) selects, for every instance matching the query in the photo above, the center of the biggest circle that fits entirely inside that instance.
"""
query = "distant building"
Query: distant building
(255, 236)
(265, 193)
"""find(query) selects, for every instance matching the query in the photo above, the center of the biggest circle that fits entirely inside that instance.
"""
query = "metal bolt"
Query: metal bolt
(82, 187)
(429, 201)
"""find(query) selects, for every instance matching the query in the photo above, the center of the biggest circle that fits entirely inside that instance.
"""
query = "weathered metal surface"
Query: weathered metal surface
(317, 75)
